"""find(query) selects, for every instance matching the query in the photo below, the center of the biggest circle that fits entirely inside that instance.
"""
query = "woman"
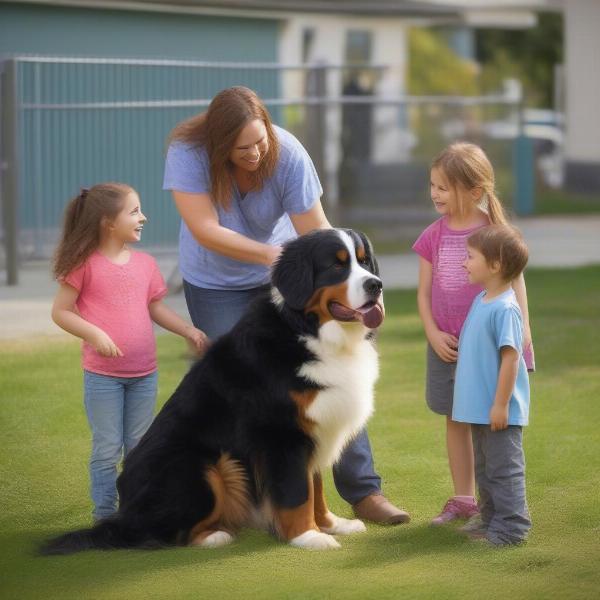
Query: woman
(243, 187)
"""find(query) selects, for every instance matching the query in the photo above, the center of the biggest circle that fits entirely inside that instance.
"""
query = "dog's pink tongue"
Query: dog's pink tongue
(339, 311)
(371, 317)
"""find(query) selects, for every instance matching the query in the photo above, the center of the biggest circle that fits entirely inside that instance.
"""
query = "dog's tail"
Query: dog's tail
(229, 484)
(108, 534)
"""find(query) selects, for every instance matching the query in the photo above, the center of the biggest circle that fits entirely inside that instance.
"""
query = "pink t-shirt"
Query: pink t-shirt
(451, 292)
(116, 298)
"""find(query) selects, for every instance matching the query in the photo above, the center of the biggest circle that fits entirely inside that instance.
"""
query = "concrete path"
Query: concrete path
(553, 242)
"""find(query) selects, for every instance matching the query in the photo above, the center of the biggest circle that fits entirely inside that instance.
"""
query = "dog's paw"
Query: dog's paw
(315, 540)
(216, 540)
(343, 526)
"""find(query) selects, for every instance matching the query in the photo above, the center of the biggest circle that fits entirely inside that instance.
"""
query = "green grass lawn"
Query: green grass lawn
(45, 445)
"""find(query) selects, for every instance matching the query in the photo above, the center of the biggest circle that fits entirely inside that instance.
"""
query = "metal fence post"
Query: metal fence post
(9, 176)
(316, 90)
(524, 170)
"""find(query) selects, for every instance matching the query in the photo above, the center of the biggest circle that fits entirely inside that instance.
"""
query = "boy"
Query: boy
(491, 388)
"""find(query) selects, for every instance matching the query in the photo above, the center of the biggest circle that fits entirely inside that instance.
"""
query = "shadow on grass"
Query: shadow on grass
(248, 541)
(402, 543)
(76, 575)
(108, 572)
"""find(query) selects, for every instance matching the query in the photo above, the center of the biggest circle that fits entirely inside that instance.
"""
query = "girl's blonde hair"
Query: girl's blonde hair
(82, 224)
(466, 165)
(217, 130)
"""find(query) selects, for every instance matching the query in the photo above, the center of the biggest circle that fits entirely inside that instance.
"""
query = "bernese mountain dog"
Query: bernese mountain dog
(244, 438)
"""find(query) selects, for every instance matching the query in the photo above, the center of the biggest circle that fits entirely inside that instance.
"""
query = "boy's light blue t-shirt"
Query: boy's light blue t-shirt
(261, 215)
(489, 326)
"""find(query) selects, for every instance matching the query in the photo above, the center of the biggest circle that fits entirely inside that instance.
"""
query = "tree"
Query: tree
(434, 68)
(529, 55)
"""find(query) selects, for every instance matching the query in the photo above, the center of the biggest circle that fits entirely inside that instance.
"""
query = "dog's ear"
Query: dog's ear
(369, 251)
(293, 273)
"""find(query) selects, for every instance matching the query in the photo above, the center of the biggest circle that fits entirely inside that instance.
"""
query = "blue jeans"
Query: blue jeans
(119, 411)
(216, 312)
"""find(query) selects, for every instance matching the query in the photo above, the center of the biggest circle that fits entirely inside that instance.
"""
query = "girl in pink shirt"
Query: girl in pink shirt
(463, 193)
(108, 296)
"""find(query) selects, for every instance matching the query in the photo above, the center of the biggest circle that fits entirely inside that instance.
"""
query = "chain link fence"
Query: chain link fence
(67, 123)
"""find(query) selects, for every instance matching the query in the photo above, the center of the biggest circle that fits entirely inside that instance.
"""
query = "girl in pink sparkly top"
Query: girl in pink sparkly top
(109, 295)
(463, 193)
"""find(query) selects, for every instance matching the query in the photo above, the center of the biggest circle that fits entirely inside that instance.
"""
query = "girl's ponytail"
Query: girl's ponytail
(73, 212)
(494, 209)
(72, 216)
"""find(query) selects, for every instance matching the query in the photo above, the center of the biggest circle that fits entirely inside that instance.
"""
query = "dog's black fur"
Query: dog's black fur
(235, 401)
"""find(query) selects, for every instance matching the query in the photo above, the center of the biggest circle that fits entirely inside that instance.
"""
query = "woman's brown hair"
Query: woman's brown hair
(217, 130)
(467, 165)
(82, 224)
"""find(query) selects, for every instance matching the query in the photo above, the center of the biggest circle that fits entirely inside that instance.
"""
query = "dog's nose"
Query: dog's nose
(373, 286)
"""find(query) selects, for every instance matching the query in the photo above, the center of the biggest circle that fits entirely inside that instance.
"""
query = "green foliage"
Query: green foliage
(528, 55)
(525, 54)
(45, 447)
(434, 68)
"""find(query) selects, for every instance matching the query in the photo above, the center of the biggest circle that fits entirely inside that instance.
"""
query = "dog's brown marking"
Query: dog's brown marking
(342, 255)
(292, 522)
(321, 510)
(303, 400)
(228, 482)
(323, 296)
(361, 253)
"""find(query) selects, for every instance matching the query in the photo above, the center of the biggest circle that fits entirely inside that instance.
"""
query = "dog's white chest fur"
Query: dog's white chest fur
(347, 368)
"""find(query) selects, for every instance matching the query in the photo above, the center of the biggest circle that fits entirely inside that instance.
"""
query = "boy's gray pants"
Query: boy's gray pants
(500, 475)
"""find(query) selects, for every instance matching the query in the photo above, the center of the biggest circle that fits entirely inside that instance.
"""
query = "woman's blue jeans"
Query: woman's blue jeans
(216, 312)
(119, 411)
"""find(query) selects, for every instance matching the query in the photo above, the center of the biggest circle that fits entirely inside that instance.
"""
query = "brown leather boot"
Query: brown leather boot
(378, 509)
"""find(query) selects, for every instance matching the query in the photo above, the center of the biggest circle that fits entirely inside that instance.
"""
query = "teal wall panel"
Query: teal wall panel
(82, 123)
(36, 29)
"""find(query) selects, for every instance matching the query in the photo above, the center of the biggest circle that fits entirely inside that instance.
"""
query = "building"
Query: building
(299, 33)
(582, 90)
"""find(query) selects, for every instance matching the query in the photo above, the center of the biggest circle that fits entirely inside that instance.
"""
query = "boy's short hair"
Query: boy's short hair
(503, 244)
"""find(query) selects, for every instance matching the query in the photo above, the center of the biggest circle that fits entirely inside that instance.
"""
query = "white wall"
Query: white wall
(328, 47)
(389, 47)
(582, 49)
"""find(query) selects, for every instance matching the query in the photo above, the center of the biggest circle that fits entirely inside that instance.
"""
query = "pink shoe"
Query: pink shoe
(455, 509)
